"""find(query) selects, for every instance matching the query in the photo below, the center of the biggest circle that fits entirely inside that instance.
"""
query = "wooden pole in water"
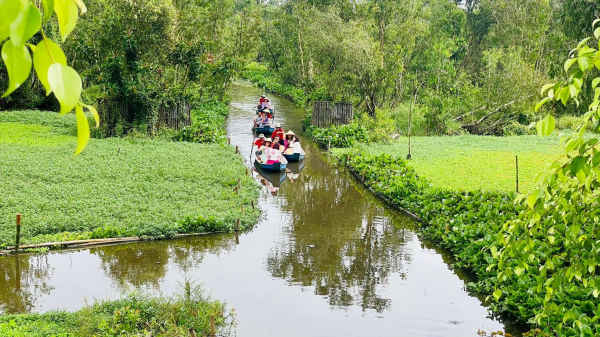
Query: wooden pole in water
(237, 238)
(237, 149)
(18, 236)
(517, 171)
(237, 225)
(212, 326)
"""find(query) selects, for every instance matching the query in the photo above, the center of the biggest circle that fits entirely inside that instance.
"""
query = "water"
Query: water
(328, 259)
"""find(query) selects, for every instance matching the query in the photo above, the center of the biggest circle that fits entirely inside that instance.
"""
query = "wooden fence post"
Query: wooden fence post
(237, 225)
(18, 236)
(212, 326)
(517, 171)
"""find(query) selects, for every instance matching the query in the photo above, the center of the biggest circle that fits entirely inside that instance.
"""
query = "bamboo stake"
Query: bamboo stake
(228, 141)
(193, 333)
(237, 149)
(212, 326)
(252, 202)
(237, 225)
(517, 169)
(237, 238)
(18, 237)
(119, 151)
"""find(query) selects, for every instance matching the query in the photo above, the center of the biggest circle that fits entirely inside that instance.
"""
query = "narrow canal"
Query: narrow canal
(328, 259)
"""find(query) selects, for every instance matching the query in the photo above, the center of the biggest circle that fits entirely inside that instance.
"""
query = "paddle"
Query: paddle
(251, 148)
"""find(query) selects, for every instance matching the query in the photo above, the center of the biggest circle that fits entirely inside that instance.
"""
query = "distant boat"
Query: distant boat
(293, 157)
(272, 167)
(264, 129)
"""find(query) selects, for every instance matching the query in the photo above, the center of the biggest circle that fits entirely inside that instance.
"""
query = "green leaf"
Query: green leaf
(66, 12)
(569, 63)
(576, 165)
(584, 63)
(83, 129)
(9, 10)
(48, 6)
(583, 42)
(18, 65)
(546, 87)
(595, 22)
(66, 85)
(540, 103)
(497, 293)
(47, 53)
(564, 95)
(545, 126)
(597, 32)
(25, 25)
(595, 82)
(94, 113)
(532, 200)
(81, 6)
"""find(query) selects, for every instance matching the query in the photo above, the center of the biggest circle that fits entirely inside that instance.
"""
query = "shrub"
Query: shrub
(208, 124)
(517, 129)
(339, 136)
(569, 123)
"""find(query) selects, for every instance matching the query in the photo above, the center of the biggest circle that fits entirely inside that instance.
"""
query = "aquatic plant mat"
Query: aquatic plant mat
(119, 187)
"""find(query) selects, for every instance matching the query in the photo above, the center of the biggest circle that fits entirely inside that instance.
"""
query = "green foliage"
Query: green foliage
(569, 123)
(208, 124)
(547, 259)
(339, 136)
(267, 79)
(516, 129)
(21, 20)
(139, 186)
(134, 315)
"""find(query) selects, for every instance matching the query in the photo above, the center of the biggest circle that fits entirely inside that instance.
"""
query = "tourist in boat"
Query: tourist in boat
(277, 144)
(269, 155)
(293, 145)
(279, 133)
(265, 106)
(261, 120)
(261, 101)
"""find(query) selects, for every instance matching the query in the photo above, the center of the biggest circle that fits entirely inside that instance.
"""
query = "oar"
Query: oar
(251, 148)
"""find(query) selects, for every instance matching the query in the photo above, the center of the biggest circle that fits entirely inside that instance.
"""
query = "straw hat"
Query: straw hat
(278, 125)
(290, 133)
(263, 96)
(261, 136)
(268, 140)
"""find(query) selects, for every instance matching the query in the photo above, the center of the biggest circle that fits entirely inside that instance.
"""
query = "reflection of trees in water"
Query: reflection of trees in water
(23, 279)
(145, 264)
(340, 242)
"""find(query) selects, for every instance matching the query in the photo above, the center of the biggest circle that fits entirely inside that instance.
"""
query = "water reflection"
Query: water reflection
(145, 264)
(339, 242)
(24, 279)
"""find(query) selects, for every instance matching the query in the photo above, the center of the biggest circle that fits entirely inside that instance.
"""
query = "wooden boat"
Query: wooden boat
(270, 168)
(293, 157)
(264, 129)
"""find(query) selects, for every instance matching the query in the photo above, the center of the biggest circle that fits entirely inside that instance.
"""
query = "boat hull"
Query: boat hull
(277, 167)
(293, 157)
(266, 129)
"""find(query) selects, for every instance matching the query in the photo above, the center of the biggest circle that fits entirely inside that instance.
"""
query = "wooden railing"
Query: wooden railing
(326, 114)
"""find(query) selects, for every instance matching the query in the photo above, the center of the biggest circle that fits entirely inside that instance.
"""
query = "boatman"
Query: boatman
(261, 101)
(260, 141)
(278, 133)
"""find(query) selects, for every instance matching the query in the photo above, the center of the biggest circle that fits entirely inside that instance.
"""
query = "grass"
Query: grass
(134, 315)
(475, 162)
(116, 187)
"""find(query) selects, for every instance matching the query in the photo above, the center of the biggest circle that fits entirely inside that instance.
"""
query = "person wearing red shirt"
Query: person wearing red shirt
(261, 101)
(260, 141)
(278, 132)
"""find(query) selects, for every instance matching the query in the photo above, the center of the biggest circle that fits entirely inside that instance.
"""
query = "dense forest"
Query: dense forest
(470, 66)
